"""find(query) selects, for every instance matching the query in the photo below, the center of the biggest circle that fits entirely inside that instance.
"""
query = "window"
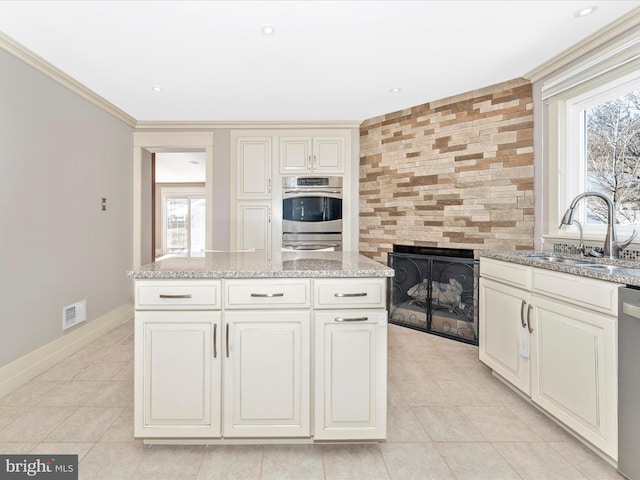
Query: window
(590, 134)
(603, 152)
(183, 217)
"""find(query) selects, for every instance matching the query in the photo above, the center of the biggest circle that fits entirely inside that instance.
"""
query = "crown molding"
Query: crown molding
(616, 28)
(208, 125)
(40, 64)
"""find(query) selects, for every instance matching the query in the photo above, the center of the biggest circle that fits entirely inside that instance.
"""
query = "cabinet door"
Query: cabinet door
(178, 374)
(254, 226)
(267, 374)
(328, 155)
(253, 168)
(295, 155)
(573, 371)
(504, 334)
(350, 375)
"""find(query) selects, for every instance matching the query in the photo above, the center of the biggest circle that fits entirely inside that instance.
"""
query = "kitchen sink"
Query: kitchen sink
(612, 269)
(596, 267)
(554, 259)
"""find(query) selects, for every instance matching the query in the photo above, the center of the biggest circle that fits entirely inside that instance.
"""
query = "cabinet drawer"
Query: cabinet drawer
(272, 293)
(585, 292)
(178, 295)
(506, 272)
(350, 293)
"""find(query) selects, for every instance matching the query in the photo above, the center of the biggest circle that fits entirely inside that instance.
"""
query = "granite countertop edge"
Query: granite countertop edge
(531, 258)
(229, 265)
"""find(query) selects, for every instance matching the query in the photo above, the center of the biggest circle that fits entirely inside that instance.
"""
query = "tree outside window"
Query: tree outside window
(612, 146)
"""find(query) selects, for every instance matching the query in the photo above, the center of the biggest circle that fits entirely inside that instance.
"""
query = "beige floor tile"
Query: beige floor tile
(406, 372)
(590, 465)
(111, 461)
(67, 394)
(414, 461)
(426, 393)
(535, 460)
(113, 394)
(50, 448)
(175, 462)
(462, 393)
(498, 424)
(9, 414)
(231, 462)
(292, 462)
(448, 424)
(86, 424)
(100, 371)
(65, 370)
(117, 353)
(537, 421)
(121, 430)
(353, 462)
(29, 394)
(475, 461)
(16, 448)
(403, 426)
(35, 424)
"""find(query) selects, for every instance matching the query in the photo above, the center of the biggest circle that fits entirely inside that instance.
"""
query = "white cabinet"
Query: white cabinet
(240, 359)
(567, 323)
(267, 374)
(573, 371)
(350, 358)
(177, 359)
(253, 168)
(318, 154)
(181, 374)
(350, 374)
(504, 345)
(253, 226)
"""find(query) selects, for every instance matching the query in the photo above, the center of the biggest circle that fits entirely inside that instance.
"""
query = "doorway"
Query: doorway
(179, 204)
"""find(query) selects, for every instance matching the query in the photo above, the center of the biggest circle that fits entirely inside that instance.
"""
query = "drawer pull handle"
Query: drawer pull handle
(529, 319)
(215, 340)
(267, 295)
(166, 295)
(356, 319)
(522, 314)
(345, 295)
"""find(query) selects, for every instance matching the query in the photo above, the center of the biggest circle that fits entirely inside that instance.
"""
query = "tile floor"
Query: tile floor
(448, 419)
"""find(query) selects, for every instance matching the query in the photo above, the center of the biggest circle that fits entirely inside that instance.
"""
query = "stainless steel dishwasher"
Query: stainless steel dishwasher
(629, 382)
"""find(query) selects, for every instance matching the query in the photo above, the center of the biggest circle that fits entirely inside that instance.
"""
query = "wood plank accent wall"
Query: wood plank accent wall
(455, 173)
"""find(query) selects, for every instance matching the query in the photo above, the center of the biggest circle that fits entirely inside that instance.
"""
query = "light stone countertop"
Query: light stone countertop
(256, 265)
(629, 274)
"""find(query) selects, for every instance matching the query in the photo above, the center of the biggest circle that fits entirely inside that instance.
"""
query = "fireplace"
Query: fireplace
(435, 290)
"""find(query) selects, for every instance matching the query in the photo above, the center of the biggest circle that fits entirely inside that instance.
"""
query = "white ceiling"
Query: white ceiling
(180, 167)
(327, 61)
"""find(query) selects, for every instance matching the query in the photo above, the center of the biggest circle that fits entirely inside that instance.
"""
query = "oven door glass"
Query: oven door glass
(312, 209)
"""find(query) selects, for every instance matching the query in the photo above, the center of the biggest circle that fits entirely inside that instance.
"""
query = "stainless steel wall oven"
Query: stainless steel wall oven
(312, 213)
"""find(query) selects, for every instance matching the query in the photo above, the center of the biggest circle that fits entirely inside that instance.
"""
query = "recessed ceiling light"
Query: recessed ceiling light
(156, 88)
(268, 30)
(395, 90)
(583, 12)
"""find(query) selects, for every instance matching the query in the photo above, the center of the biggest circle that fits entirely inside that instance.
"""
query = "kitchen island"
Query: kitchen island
(233, 347)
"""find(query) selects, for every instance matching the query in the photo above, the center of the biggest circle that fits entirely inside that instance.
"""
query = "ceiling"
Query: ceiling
(326, 61)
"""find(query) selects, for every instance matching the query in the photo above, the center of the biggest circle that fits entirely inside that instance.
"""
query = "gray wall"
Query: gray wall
(59, 154)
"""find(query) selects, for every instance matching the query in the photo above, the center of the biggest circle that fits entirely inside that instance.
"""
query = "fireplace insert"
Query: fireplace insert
(435, 290)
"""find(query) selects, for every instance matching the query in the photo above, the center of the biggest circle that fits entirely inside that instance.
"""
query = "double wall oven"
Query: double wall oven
(311, 213)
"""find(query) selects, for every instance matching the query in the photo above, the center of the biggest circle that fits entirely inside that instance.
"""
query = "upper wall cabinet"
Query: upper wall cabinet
(253, 163)
(312, 154)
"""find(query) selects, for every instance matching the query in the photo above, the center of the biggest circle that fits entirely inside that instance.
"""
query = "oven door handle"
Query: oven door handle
(297, 190)
(310, 246)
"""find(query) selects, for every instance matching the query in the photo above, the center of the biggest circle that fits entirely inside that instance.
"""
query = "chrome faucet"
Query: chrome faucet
(612, 247)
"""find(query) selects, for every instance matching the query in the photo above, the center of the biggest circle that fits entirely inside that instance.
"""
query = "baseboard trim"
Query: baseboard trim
(40, 360)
